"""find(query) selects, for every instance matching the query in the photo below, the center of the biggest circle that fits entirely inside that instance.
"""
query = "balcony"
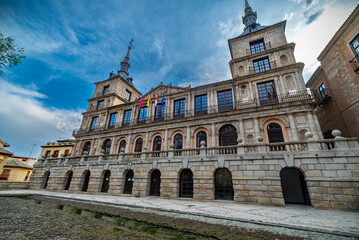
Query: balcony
(321, 97)
(355, 64)
(214, 109)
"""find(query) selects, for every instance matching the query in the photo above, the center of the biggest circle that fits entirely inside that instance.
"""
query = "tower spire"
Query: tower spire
(125, 64)
(250, 18)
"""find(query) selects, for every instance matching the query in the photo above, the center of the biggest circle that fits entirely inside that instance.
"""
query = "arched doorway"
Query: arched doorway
(294, 187)
(223, 184)
(128, 182)
(46, 177)
(227, 136)
(87, 148)
(68, 180)
(155, 188)
(201, 136)
(106, 181)
(186, 184)
(275, 135)
(85, 182)
(107, 146)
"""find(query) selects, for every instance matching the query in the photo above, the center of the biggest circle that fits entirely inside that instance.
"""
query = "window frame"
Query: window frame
(142, 115)
(353, 48)
(100, 104)
(201, 104)
(258, 46)
(179, 108)
(127, 93)
(105, 90)
(126, 118)
(224, 104)
(323, 92)
(160, 112)
(94, 123)
(259, 65)
(267, 98)
(112, 120)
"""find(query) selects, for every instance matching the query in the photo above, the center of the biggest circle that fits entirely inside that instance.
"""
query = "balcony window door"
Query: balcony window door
(323, 91)
(225, 102)
(112, 121)
(160, 112)
(355, 45)
(100, 104)
(261, 65)
(200, 107)
(179, 108)
(127, 95)
(105, 90)
(94, 123)
(257, 46)
(142, 116)
(126, 118)
(267, 93)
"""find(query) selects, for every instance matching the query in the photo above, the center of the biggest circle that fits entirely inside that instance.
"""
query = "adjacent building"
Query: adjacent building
(57, 149)
(254, 138)
(4, 154)
(336, 82)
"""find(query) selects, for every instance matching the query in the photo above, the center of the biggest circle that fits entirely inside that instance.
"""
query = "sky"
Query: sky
(69, 45)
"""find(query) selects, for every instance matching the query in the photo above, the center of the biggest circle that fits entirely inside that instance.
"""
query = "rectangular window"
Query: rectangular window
(67, 151)
(105, 90)
(355, 45)
(225, 102)
(93, 123)
(323, 91)
(47, 154)
(200, 104)
(257, 46)
(261, 65)
(160, 112)
(56, 153)
(179, 108)
(142, 116)
(127, 95)
(267, 93)
(5, 174)
(127, 118)
(27, 176)
(100, 104)
(112, 122)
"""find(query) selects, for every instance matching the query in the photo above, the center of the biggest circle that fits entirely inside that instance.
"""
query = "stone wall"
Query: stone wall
(13, 185)
(331, 176)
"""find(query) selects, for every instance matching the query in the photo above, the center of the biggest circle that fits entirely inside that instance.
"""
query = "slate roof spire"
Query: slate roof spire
(125, 64)
(250, 18)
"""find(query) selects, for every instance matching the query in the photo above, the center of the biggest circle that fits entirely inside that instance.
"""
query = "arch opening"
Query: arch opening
(128, 182)
(68, 180)
(275, 135)
(85, 182)
(186, 184)
(155, 185)
(107, 146)
(138, 145)
(227, 135)
(122, 145)
(223, 184)
(87, 147)
(294, 187)
(201, 136)
(46, 179)
(106, 181)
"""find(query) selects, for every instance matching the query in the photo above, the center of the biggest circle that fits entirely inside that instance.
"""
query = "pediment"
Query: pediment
(167, 89)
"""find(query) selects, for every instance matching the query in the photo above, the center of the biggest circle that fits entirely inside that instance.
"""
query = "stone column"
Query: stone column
(165, 140)
(171, 109)
(147, 142)
(251, 91)
(320, 134)
(113, 146)
(188, 138)
(128, 147)
(293, 128)
(295, 81)
(213, 135)
(312, 126)
(241, 129)
(281, 82)
(256, 127)
(300, 81)
(119, 118)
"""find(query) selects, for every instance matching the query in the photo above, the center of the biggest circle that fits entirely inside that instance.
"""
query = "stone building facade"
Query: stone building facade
(336, 81)
(253, 139)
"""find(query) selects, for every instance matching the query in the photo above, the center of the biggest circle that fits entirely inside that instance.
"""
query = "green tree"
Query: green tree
(10, 54)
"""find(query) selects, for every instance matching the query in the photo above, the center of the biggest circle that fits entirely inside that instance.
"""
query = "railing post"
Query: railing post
(101, 155)
(261, 145)
(120, 156)
(202, 151)
(143, 154)
(171, 153)
(84, 154)
(312, 144)
(240, 148)
(340, 142)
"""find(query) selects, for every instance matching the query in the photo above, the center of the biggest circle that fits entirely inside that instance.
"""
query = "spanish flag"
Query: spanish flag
(149, 99)
(156, 99)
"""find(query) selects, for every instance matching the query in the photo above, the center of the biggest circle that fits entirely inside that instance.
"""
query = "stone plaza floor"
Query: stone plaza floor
(292, 216)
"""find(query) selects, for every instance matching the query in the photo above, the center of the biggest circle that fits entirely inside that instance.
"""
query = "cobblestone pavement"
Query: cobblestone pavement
(293, 216)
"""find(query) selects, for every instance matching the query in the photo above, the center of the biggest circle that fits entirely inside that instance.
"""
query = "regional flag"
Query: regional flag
(163, 98)
(149, 99)
(156, 99)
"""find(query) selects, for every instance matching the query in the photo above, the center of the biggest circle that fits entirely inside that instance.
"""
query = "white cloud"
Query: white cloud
(26, 121)
(289, 16)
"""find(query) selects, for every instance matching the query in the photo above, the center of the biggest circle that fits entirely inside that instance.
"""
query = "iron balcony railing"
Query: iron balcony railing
(236, 106)
(267, 46)
(272, 65)
(355, 63)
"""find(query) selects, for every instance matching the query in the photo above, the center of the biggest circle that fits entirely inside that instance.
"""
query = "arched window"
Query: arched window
(106, 181)
(223, 184)
(107, 146)
(186, 183)
(155, 187)
(128, 182)
(201, 136)
(85, 181)
(46, 179)
(275, 135)
(87, 147)
(294, 187)
(122, 145)
(68, 180)
(227, 136)
(157, 144)
(138, 145)
(178, 141)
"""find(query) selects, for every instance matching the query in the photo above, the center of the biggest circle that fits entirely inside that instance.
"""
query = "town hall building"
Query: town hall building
(254, 138)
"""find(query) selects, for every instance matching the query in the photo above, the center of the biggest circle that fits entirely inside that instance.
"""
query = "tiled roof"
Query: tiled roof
(4, 151)
(16, 164)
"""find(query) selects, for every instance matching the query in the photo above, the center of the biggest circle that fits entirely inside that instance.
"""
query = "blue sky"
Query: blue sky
(72, 44)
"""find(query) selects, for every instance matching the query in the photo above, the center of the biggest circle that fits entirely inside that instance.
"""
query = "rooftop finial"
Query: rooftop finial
(125, 64)
(246, 5)
(250, 18)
